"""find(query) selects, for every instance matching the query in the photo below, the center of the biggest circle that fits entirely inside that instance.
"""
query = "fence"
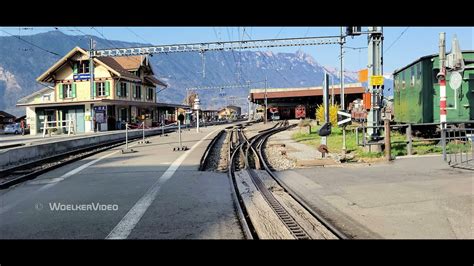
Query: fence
(458, 148)
(69, 125)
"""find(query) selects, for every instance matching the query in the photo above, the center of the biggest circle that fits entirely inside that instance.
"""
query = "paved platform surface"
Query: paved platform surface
(10, 139)
(414, 198)
(154, 193)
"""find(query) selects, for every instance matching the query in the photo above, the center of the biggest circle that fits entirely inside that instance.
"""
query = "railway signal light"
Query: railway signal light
(325, 130)
(353, 31)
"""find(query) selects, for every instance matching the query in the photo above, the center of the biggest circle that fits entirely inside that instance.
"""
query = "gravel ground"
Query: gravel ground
(284, 153)
(217, 159)
(278, 158)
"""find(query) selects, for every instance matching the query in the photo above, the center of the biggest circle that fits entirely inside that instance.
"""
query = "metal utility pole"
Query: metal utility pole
(91, 67)
(197, 107)
(266, 100)
(332, 91)
(388, 147)
(203, 61)
(326, 97)
(342, 95)
(325, 104)
(91, 78)
(250, 102)
(442, 89)
(442, 79)
(249, 108)
(375, 40)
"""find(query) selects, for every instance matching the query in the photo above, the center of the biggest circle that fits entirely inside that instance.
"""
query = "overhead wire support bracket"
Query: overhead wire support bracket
(218, 46)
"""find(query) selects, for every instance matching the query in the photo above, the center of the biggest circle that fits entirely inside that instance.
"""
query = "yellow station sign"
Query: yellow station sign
(376, 80)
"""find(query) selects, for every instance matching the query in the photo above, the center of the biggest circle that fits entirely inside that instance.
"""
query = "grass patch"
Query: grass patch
(399, 143)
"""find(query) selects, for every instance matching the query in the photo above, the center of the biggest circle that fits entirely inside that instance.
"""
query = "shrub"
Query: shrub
(333, 109)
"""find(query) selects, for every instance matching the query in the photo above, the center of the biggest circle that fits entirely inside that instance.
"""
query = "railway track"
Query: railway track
(27, 171)
(247, 155)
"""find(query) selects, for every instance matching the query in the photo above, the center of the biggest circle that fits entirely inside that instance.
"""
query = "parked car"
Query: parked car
(12, 129)
(275, 117)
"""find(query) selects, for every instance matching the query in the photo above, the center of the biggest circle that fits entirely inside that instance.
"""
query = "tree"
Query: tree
(189, 99)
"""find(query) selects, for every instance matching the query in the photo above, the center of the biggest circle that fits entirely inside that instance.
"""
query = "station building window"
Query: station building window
(123, 89)
(67, 91)
(102, 89)
(83, 67)
(137, 93)
(149, 94)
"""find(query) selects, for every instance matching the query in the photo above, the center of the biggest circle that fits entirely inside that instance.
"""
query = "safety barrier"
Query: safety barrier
(458, 148)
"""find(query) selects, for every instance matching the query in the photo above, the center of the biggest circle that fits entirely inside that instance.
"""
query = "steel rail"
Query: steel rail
(292, 193)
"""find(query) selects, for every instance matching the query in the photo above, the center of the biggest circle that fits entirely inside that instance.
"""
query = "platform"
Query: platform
(415, 198)
(159, 194)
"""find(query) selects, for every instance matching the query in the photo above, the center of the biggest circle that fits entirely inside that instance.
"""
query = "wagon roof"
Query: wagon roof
(425, 57)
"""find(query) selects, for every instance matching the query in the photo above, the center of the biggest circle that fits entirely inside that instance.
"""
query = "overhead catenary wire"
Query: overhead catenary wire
(179, 65)
(233, 54)
(147, 41)
(69, 37)
(276, 69)
(227, 63)
(396, 40)
(134, 33)
(307, 31)
(114, 46)
(32, 44)
(278, 34)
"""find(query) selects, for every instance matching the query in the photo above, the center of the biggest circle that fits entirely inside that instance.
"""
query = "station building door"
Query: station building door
(41, 115)
(75, 113)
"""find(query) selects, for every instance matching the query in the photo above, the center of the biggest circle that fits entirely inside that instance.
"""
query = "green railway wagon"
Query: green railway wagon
(416, 92)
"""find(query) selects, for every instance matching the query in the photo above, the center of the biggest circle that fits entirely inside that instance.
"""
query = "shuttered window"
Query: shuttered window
(100, 89)
(137, 92)
(123, 89)
(67, 91)
(149, 95)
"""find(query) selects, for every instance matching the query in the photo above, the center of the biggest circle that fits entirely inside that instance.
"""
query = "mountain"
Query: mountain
(388, 84)
(21, 63)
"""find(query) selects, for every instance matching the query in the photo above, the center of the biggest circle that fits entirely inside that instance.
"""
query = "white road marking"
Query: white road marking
(84, 166)
(123, 229)
(6, 208)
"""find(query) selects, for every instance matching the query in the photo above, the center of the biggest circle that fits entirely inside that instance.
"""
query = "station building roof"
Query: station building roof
(259, 94)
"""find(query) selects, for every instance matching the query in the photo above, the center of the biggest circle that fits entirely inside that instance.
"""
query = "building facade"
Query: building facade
(124, 91)
(229, 112)
(5, 119)
(288, 100)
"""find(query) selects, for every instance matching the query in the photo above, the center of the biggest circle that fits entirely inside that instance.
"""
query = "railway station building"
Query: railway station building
(124, 91)
(287, 99)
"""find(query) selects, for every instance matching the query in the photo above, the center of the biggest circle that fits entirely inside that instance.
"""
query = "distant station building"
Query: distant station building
(210, 115)
(230, 112)
(124, 91)
(5, 119)
(287, 100)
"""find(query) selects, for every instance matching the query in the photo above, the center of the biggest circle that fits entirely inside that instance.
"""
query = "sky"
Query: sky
(402, 45)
